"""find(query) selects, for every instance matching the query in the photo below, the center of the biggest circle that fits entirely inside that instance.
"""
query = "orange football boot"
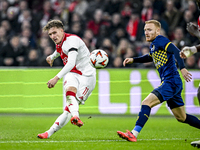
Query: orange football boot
(128, 136)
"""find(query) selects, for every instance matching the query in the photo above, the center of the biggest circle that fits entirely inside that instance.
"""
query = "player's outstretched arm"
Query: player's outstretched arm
(128, 61)
(140, 59)
(186, 75)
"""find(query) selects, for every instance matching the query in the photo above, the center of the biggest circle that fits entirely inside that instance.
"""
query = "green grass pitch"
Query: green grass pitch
(18, 132)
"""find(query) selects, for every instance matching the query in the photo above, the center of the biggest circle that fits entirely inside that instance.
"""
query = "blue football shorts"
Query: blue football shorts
(170, 91)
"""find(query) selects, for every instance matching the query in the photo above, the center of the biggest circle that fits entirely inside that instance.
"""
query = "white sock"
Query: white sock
(73, 106)
(60, 122)
(135, 133)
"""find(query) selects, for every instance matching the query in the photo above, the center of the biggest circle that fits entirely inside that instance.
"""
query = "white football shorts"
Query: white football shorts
(84, 85)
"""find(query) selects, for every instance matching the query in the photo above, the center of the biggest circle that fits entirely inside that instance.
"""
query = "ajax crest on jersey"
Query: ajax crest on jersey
(98, 59)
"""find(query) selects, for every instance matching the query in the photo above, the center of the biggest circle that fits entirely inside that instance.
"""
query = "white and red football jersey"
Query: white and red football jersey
(72, 42)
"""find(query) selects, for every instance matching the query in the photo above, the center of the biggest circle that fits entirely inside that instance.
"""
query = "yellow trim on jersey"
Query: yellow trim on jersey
(161, 83)
(167, 46)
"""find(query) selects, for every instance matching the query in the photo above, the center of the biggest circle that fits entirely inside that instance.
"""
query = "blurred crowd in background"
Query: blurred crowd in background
(115, 26)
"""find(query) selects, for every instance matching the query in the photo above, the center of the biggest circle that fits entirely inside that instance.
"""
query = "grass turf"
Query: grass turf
(98, 133)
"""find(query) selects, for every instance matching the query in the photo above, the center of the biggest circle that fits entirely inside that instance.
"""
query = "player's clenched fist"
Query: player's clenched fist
(49, 61)
(51, 83)
(128, 61)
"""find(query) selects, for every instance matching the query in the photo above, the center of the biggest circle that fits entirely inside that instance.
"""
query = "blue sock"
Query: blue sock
(192, 120)
(142, 117)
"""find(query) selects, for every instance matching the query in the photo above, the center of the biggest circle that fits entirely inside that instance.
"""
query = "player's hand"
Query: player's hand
(49, 61)
(128, 61)
(51, 83)
(184, 51)
(193, 29)
(182, 55)
(186, 75)
(188, 51)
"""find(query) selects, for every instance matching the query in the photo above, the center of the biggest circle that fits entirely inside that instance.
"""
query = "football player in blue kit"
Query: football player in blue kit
(163, 53)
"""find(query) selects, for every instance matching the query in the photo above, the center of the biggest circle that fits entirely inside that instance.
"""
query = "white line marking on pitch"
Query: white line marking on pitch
(46, 141)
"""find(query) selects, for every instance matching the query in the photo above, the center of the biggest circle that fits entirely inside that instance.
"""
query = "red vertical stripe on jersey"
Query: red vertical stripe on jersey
(63, 56)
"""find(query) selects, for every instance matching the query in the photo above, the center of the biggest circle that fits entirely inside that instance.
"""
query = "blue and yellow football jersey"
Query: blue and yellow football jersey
(164, 54)
(163, 59)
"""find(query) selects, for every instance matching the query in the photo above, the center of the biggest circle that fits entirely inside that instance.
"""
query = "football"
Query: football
(98, 59)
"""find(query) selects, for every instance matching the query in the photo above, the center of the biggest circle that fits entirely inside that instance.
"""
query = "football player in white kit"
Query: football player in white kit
(80, 76)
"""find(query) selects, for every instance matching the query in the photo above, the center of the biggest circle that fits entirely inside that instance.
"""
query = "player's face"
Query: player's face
(151, 32)
(56, 34)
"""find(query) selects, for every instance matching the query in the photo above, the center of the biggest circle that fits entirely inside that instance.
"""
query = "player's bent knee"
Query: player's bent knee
(150, 102)
(144, 102)
(72, 89)
(180, 119)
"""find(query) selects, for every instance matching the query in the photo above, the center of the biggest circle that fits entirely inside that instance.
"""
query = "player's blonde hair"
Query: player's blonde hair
(53, 23)
(155, 22)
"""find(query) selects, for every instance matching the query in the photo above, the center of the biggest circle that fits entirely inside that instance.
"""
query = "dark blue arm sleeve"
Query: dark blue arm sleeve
(143, 59)
(173, 49)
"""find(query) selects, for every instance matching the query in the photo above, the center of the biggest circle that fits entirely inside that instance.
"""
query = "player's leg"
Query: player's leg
(177, 106)
(150, 101)
(85, 87)
(181, 116)
(60, 122)
(71, 85)
(157, 96)
(73, 106)
(72, 103)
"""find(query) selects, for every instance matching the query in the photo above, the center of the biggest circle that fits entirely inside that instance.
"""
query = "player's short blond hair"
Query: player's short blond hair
(53, 23)
(155, 22)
